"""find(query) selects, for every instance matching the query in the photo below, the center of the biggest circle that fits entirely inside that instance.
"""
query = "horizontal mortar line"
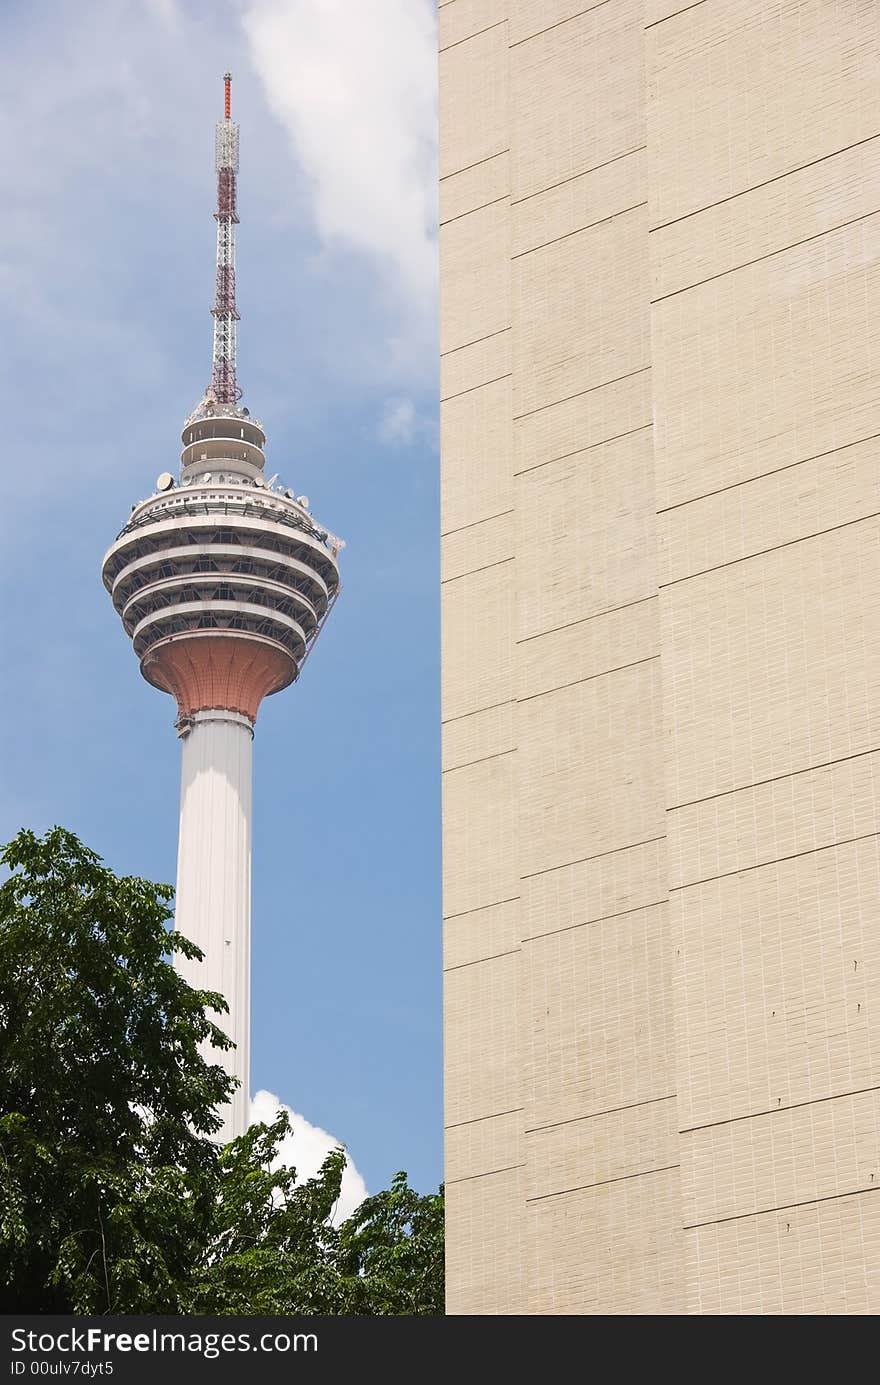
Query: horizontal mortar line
(582, 620)
(590, 678)
(786, 1207)
(603, 1183)
(475, 1120)
(774, 779)
(476, 341)
(551, 187)
(615, 437)
(488, 159)
(537, 34)
(601, 221)
(588, 923)
(473, 571)
(582, 860)
(684, 10)
(482, 385)
(776, 548)
(777, 861)
(469, 1178)
(776, 1110)
(759, 259)
(476, 34)
(461, 528)
(478, 909)
(509, 702)
(496, 755)
(595, 1115)
(774, 471)
(616, 380)
(470, 212)
(478, 961)
(777, 178)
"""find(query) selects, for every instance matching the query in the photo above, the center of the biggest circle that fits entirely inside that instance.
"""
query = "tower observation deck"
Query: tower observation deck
(223, 581)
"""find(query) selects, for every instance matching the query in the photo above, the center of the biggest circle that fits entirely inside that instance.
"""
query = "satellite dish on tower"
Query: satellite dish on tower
(208, 476)
(164, 481)
(303, 500)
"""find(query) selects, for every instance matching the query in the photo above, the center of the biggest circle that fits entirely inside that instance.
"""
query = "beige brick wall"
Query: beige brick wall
(765, 269)
(484, 1134)
(660, 375)
(815, 1259)
(609, 1250)
(559, 1084)
(598, 276)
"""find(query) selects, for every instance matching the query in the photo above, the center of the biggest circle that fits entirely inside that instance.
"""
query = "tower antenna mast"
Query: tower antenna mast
(224, 377)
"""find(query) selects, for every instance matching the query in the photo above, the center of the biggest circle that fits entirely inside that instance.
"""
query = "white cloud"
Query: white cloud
(401, 424)
(307, 1148)
(166, 11)
(353, 82)
(398, 421)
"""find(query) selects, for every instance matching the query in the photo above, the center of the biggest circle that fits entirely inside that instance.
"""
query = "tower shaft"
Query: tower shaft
(214, 883)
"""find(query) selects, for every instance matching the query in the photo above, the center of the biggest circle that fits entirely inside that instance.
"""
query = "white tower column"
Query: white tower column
(214, 882)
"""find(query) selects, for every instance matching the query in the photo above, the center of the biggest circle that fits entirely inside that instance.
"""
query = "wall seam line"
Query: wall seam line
(785, 1207)
(774, 779)
(550, 27)
(482, 384)
(603, 442)
(597, 1115)
(774, 471)
(776, 548)
(776, 861)
(603, 1183)
(760, 259)
(578, 230)
(588, 923)
(584, 173)
(591, 389)
(777, 178)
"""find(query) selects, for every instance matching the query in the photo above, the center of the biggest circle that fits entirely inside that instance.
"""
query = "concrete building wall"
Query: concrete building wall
(660, 247)
(484, 1140)
(765, 267)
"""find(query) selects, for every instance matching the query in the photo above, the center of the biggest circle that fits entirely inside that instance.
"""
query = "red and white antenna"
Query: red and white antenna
(224, 380)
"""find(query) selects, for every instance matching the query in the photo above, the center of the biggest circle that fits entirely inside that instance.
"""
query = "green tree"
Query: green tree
(114, 1198)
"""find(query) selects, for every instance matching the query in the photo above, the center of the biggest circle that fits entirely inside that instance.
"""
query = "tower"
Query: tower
(223, 581)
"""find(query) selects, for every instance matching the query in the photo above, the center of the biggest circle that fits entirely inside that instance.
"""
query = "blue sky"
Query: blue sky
(106, 277)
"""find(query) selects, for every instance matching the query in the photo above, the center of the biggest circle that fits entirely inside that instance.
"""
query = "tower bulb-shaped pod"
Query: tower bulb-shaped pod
(223, 585)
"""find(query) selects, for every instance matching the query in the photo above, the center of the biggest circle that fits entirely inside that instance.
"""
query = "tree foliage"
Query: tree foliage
(114, 1198)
